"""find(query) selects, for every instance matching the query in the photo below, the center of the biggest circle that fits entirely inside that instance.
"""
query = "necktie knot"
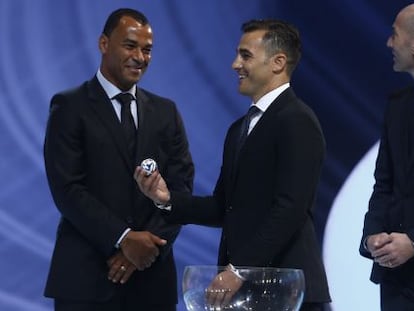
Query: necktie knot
(253, 110)
(124, 98)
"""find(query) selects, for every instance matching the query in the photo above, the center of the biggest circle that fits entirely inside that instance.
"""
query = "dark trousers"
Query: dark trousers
(114, 305)
(396, 298)
(311, 307)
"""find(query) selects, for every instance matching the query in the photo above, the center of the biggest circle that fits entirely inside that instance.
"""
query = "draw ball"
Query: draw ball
(149, 166)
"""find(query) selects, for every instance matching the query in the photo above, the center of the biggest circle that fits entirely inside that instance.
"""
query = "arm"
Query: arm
(381, 198)
(66, 167)
(178, 171)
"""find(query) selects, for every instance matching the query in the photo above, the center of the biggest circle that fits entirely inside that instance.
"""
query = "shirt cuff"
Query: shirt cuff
(118, 243)
(236, 272)
(166, 207)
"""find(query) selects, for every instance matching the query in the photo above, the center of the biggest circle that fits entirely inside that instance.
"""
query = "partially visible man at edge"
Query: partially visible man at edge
(388, 232)
(113, 249)
(265, 193)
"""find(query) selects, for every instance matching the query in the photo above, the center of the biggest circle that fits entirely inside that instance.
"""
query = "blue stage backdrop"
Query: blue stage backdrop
(345, 75)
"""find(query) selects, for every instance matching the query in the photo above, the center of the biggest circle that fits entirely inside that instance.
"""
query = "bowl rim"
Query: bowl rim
(243, 268)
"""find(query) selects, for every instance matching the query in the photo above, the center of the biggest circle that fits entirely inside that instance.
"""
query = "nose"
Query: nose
(138, 55)
(236, 65)
(389, 42)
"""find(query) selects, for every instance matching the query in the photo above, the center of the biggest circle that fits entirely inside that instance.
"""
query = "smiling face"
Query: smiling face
(259, 73)
(126, 52)
(401, 42)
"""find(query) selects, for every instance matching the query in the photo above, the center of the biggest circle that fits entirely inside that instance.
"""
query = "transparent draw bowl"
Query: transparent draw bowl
(259, 289)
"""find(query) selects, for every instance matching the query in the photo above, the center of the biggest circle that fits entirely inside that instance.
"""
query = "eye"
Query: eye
(245, 55)
(146, 51)
(129, 46)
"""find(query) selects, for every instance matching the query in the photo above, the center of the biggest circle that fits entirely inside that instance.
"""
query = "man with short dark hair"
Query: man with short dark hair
(113, 250)
(265, 193)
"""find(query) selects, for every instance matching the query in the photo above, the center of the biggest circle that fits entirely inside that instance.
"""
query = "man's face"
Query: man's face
(402, 46)
(253, 66)
(126, 53)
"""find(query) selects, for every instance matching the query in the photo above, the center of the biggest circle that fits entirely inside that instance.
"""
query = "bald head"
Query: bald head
(401, 42)
(406, 19)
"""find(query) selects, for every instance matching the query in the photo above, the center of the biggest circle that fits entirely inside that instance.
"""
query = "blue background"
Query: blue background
(46, 46)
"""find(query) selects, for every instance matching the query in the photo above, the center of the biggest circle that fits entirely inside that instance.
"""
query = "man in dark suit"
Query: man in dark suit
(388, 233)
(265, 193)
(113, 249)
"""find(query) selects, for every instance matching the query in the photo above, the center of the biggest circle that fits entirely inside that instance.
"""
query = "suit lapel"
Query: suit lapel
(103, 108)
(268, 116)
(145, 119)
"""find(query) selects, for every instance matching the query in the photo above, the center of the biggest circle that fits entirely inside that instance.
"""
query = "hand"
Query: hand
(141, 248)
(120, 268)
(153, 186)
(222, 289)
(377, 241)
(394, 253)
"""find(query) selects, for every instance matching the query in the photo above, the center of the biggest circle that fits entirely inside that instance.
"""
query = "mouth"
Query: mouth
(136, 69)
(242, 76)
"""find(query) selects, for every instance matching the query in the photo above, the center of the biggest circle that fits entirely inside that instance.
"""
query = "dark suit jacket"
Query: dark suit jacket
(391, 207)
(264, 200)
(90, 175)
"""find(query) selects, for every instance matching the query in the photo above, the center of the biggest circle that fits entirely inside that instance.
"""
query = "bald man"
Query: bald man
(388, 233)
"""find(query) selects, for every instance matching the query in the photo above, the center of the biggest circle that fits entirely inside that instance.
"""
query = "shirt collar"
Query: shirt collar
(264, 102)
(110, 89)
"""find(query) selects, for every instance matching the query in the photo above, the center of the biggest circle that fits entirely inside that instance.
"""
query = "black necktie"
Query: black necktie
(253, 110)
(127, 121)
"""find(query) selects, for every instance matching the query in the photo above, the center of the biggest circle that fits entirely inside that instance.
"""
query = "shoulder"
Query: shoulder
(71, 94)
(293, 107)
(407, 92)
(153, 98)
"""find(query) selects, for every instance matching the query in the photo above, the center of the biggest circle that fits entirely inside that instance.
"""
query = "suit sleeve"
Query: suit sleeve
(178, 174)
(65, 162)
(381, 197)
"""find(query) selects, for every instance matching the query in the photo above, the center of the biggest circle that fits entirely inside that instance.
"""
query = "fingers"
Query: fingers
(158, 241)
(387, 262)
(221, 290)
(120, 270)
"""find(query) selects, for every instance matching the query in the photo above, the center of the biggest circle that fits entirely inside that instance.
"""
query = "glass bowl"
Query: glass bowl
(259, 289)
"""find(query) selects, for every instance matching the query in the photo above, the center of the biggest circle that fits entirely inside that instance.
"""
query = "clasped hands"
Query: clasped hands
(138, 251)
(390, 250)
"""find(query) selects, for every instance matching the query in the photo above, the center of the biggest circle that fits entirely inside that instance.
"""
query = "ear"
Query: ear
(103, 43)
(279, 61)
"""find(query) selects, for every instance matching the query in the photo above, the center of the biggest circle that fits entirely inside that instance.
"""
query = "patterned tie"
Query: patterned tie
(127, 121)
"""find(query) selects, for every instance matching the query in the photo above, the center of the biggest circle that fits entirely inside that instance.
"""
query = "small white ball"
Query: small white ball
(149, 166)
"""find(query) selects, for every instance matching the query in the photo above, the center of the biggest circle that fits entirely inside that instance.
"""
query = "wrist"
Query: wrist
(122, 238)
(164, 204)
(235, 271)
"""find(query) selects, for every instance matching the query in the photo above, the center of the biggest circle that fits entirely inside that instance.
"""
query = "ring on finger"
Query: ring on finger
(123, 268)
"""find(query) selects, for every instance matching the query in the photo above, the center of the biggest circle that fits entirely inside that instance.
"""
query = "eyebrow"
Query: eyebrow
(243, 50)
(127, 40)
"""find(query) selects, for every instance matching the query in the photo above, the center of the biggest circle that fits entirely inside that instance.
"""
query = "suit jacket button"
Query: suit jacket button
(129, 220)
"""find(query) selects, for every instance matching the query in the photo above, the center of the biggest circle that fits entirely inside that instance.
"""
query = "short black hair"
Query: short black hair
(114, 18)
(280, 36)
